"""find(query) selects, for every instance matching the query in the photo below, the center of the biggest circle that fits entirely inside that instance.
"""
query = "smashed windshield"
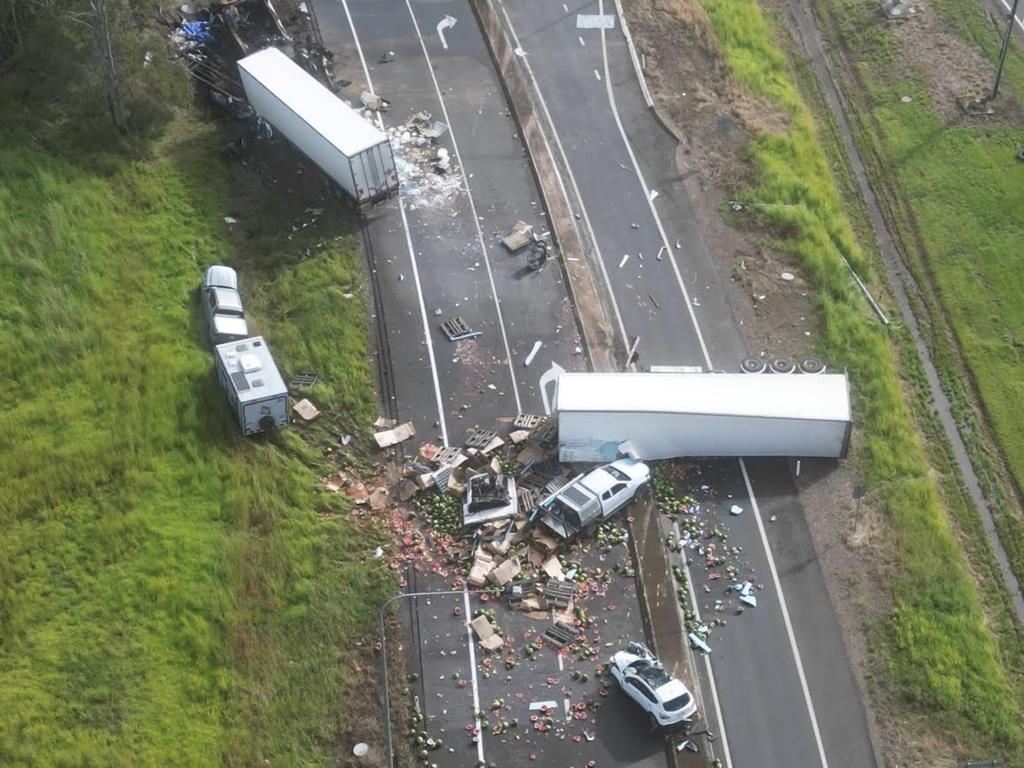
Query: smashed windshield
(652, 674)
(617, 473)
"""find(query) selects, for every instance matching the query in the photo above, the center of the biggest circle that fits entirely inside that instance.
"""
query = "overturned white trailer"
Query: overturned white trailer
(602, 416)
(346, 146)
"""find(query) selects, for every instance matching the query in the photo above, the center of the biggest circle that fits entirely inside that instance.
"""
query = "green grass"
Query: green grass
(170, 593)
(962, 227)
(941, 656)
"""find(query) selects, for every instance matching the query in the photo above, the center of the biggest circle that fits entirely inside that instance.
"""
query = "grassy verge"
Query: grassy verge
(961, 192)
(170, 593)
(941, 655)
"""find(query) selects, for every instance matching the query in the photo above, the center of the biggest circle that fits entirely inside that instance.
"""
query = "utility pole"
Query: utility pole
(978, 103)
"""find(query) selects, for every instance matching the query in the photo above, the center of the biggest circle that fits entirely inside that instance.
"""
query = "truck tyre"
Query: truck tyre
(781, 365)
(752, 365)
(811, 365)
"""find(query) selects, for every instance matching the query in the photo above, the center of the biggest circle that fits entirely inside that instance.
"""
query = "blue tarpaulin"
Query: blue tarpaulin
(198, 31)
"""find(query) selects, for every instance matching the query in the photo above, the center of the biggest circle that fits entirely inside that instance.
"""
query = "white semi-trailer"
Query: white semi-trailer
(602, 416)
(344, 144)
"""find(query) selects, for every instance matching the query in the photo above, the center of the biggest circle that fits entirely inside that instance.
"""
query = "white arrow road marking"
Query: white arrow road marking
(446, 23)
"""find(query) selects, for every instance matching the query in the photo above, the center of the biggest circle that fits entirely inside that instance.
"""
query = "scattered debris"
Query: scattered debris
(486, 633)
(456, 329)
(395, 435)
(735, 509)
(489, 497)
(519, 237)
(788, 277)
(305, 410)
(533, 353)
(303, 380)
(374, 102)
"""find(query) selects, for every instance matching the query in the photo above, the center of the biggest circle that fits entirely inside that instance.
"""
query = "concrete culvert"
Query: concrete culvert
(781, 365)
(752, 365)
(811, 365)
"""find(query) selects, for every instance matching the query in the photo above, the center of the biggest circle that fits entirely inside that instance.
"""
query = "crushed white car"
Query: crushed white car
(666, 700)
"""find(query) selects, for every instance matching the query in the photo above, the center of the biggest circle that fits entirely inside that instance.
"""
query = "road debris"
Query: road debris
(395, 435)
(305, 410)
(533, 353)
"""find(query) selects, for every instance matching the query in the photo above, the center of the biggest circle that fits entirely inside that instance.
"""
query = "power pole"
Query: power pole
(978, 103)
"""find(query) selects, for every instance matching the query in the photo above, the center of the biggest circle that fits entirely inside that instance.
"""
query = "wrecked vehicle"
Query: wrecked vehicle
(488, 498)
(347, 147)
(223, 305)
(666, 700)
(593, 497)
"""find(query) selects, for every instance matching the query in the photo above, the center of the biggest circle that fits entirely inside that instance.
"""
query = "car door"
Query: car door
(640, 692)
(613, 498)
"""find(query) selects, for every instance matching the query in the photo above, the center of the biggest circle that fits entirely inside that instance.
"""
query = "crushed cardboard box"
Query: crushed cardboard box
(483, 564)
(486, 633)
(505, 572)
(395, 435)
(378, 499)
(305, 410)
(553, 568)
(357, 493)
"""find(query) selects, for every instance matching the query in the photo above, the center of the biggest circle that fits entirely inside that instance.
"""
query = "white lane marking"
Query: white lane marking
(472, 205)
(426, 325)
(1008, 8)
(412, 251)
(646, 190)
(446, 23)
(572, 178)
(611, 293)
(359, 48)
(580, 38)
(695, 607)
(472, 672)
(785, 617)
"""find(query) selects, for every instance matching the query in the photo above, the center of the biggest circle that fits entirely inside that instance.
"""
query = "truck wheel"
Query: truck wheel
(811, 365)
(752, 365)
(781, 365)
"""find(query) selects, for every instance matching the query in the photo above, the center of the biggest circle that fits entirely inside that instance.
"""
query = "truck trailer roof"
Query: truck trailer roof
(251, 369)
(820, 397)
(304, 95)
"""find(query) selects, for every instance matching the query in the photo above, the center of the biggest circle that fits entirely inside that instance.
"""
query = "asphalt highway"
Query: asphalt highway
(435, 251)
(435, 234)
(786, 692)
(777, 687)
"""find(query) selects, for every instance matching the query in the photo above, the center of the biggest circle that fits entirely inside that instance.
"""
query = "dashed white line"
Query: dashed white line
(785, 618)
(472, 205)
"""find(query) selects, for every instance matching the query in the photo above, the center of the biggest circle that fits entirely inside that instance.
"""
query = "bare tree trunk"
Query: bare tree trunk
(106, 53)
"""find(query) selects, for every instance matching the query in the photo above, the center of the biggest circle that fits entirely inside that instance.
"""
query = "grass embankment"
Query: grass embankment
(939, 651)
(961, 195)
(170, 593)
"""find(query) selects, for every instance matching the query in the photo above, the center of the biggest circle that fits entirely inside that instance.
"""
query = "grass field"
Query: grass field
(962, 225)
(170, 593)
(940, 654)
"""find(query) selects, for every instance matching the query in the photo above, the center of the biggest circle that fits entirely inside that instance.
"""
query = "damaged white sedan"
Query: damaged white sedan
(666, 700)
